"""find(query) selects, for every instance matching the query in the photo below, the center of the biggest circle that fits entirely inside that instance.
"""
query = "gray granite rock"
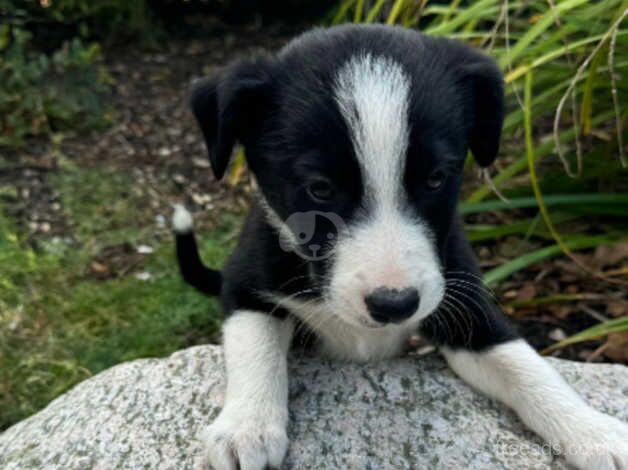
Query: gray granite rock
(406, 413)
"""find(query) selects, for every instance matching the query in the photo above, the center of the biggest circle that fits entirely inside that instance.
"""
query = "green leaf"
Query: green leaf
(614, 199)
(494, 276)
(616, 325)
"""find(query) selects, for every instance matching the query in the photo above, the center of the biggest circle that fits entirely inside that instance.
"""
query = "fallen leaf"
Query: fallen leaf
(200, 162)
(572, 289)
(569, 277)
(179, 178)
(144, 276)
(617, 308)
(512, 247)
(569, 266)
(164, 152)
(610, 255)
(145, 249)
(510, 294)
(527, 292)
(99, 268)
(560, 311)
(535, 18)
(616, 347)
(557, 334)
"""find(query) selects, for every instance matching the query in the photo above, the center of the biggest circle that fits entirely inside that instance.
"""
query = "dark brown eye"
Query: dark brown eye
(436, 180)
(320, 191)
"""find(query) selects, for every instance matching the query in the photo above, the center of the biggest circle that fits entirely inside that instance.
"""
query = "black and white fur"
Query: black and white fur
(371, 124)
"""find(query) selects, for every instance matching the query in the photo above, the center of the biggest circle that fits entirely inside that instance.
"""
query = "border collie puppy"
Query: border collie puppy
(357, 136)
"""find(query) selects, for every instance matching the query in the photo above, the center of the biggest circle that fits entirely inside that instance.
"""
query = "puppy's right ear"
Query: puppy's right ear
(485, 94)
(231, 107)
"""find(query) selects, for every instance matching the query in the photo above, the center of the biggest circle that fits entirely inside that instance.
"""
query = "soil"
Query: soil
(155, 138)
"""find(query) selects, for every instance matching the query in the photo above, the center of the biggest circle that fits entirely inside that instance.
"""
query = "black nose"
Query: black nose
(392, 305)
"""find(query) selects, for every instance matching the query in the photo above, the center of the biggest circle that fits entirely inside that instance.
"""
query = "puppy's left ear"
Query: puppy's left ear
(485, 87)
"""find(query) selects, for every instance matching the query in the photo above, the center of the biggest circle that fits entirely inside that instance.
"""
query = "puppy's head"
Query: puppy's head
(357, 137)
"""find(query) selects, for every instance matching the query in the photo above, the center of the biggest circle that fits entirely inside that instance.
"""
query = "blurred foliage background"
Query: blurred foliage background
(96, 143)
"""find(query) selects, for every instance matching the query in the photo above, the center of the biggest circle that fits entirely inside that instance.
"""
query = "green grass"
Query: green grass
(103, 204)
(59, 325)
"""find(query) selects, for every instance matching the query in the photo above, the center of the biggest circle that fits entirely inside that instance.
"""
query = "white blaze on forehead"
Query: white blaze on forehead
(373, 94)
(389, 247)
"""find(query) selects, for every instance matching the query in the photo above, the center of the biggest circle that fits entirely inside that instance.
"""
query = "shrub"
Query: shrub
(43, 94)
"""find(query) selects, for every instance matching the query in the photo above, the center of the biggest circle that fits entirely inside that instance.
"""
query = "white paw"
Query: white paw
(600, 444)
(246, 440)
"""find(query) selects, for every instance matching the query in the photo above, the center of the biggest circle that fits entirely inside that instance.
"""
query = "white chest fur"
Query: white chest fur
(342, 340)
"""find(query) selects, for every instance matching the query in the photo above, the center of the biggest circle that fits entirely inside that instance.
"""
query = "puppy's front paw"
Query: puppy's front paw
(245, 439)
(600, 444)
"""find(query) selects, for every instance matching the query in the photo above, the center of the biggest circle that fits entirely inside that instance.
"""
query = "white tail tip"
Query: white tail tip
(181, 219)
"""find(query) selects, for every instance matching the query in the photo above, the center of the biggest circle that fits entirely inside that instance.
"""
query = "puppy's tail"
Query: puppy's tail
(194, 272)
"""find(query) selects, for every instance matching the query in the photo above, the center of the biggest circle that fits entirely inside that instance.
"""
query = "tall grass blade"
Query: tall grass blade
(494, 276)
(375, 11)
(616, 325)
